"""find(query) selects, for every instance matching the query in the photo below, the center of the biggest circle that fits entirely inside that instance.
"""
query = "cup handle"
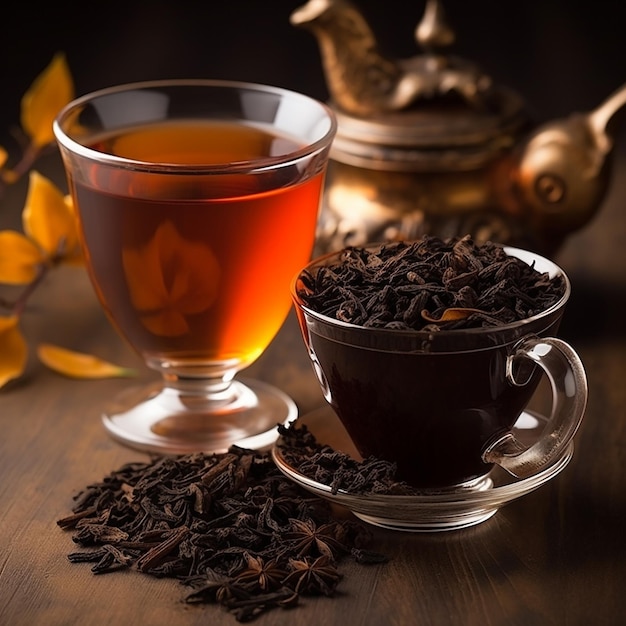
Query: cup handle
(568, 381)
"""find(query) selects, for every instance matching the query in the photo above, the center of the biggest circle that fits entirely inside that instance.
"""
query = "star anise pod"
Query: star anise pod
(306, 538)
(244, 603)
(266, 575)
(313, 576)
(219, 589)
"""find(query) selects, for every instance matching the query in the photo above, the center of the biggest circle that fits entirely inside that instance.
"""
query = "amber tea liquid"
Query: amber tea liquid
(196, 266)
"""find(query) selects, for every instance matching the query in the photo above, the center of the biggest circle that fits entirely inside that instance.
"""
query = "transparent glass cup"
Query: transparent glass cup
(443, 405)
(197, 201)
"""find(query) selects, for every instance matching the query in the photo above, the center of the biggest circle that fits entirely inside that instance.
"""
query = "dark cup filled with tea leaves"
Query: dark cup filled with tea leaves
(429, 351)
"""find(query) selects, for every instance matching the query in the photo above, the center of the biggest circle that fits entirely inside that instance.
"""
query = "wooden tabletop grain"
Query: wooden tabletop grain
(555, 556)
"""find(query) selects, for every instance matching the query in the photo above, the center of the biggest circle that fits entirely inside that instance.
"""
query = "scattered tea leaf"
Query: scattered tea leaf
(257, 542)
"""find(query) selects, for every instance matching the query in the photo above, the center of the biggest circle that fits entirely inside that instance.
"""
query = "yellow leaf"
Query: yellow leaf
(78, 364)
(73, 256)
(49, 218)
(13, 350)
(48, 94)
(19, 258)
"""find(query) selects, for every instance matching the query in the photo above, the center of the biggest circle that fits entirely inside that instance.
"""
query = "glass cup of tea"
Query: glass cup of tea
(197, 201)
(442, 404)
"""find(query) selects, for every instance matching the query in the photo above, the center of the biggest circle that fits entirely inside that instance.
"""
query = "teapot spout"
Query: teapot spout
(364, 82)
(604, 119)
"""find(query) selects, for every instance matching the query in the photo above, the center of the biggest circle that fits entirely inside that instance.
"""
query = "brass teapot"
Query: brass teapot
(431, 145)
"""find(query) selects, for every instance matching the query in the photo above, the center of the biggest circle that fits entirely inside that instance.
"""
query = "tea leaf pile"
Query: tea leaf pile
(431, 284)
(230, 526)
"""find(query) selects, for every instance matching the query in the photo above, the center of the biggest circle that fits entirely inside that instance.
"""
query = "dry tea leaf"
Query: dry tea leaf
(429, 284)
(79, 365)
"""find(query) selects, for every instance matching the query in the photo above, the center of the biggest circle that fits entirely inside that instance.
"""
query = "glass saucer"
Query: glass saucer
(446, 510)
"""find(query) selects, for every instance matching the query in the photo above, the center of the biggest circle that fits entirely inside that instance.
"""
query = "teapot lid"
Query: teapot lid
(432, 112)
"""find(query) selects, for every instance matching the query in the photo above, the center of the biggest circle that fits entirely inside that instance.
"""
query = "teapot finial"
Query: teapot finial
(433, 32)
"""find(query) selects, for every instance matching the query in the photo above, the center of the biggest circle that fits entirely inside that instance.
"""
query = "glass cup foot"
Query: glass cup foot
(454, 521)
(160, 419)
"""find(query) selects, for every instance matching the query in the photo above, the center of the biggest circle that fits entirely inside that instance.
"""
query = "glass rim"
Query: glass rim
(256, 165)
(430, 335)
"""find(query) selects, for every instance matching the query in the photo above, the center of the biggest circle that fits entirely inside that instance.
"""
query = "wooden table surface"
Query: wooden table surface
(556, 556)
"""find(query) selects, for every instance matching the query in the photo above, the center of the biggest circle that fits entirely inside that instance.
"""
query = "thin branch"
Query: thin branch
(20, 304)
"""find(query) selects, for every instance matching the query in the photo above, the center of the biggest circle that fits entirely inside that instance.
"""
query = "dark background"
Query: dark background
(560, 55)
